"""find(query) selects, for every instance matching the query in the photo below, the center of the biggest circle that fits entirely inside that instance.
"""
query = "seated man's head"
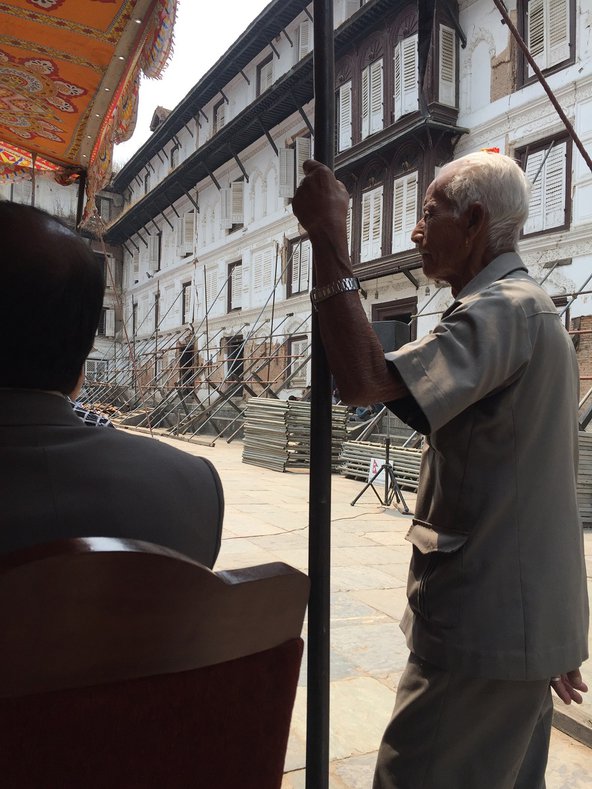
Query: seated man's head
(51, 295)
(473, 211)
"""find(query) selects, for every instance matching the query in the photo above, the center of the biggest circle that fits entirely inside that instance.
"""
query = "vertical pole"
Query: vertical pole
(319, 552)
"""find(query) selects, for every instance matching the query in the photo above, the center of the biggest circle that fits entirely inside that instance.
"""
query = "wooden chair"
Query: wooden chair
(124, 664)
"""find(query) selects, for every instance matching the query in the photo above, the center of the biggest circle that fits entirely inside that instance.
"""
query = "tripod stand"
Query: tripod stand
(391, 486)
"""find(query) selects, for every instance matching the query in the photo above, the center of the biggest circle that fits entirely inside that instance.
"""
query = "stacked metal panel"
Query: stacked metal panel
(357, 455)
(277, 433)
(585, 478)
(265, 433)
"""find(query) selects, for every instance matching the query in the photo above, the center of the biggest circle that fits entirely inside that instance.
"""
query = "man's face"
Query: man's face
(441, 236)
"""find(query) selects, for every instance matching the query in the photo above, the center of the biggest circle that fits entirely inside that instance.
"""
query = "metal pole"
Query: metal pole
(319, 551)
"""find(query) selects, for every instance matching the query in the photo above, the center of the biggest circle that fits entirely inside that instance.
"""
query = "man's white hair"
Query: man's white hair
(499, 184)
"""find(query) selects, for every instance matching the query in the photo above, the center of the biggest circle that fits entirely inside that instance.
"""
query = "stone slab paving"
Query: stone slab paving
(266, 520)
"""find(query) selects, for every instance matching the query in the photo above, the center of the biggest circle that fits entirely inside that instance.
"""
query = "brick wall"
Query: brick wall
(584, 350)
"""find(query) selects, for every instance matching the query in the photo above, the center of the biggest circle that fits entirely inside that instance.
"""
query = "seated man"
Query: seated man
(57, 478)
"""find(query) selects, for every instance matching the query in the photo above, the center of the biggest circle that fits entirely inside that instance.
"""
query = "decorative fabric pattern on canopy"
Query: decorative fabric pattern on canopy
(69, 82)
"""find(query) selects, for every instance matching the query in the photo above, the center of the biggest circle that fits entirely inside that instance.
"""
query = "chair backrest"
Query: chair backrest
(124, 664)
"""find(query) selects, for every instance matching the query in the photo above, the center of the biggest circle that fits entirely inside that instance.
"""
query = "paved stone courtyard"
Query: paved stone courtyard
(266, 520)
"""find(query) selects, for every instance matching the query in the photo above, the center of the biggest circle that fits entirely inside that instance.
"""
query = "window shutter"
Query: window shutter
(366, 211)
(304, 38)
(554, 187)
(226, 208)
(376, 244)
(404, 211)
(236, 286)
(153, 253)
(447, 84)
(257, 262)
(348, 226)
(398, 93)
(220, 115)
(211, 286)
(371, 246)
(295, 279)
(266, 76)
(180, 235)
(298, 353)
(558, 26)
(410, 80)
(109, 323)
(345, 116)
(262, 262)
(188, 220)
(300, 266)
(303, 152)
(536, 33)
(286, 175)
(376, 92)
(534, 223)
(365, 102)
(237, 189)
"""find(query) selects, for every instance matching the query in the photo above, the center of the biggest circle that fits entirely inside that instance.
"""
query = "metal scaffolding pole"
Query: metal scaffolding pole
(319, 550)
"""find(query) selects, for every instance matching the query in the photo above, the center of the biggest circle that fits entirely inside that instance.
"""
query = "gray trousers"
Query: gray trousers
(450, 731)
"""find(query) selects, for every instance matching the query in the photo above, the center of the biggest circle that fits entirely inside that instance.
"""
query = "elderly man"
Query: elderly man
(57, 478)
(497, 610)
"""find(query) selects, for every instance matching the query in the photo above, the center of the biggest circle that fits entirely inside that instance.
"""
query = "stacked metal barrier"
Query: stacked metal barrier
(277, 433)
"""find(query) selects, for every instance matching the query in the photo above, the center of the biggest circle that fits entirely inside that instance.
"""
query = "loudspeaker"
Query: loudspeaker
(392, 334)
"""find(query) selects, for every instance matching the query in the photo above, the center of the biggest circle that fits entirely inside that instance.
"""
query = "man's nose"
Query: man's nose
(417, 233)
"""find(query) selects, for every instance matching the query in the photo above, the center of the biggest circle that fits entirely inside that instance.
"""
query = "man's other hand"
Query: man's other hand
(567, 686)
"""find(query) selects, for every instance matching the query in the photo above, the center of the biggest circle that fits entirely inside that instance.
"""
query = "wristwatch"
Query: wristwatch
(334, 289)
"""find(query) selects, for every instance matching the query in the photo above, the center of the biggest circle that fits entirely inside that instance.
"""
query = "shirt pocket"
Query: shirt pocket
(436, 578)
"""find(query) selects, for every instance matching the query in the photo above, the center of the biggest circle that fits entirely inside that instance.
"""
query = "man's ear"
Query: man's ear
(76, 391)
(475, 219)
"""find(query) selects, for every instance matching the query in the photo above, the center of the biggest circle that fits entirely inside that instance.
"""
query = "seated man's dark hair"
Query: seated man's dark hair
(51, 295)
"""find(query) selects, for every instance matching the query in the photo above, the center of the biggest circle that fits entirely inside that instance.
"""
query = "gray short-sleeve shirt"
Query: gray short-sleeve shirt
(497, 584)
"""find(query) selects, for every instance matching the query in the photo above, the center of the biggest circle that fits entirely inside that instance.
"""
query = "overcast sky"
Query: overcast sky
(203, 32)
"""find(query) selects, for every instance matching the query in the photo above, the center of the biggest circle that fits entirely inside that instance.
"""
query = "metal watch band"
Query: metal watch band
(334, 289)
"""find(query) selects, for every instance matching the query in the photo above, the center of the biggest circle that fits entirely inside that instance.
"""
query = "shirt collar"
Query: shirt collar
(35, 407)
(499, 268)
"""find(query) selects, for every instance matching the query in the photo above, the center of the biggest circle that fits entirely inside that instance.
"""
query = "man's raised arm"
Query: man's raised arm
(353, 350)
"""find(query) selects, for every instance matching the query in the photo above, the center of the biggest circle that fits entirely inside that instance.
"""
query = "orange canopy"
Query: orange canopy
(69, 80)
